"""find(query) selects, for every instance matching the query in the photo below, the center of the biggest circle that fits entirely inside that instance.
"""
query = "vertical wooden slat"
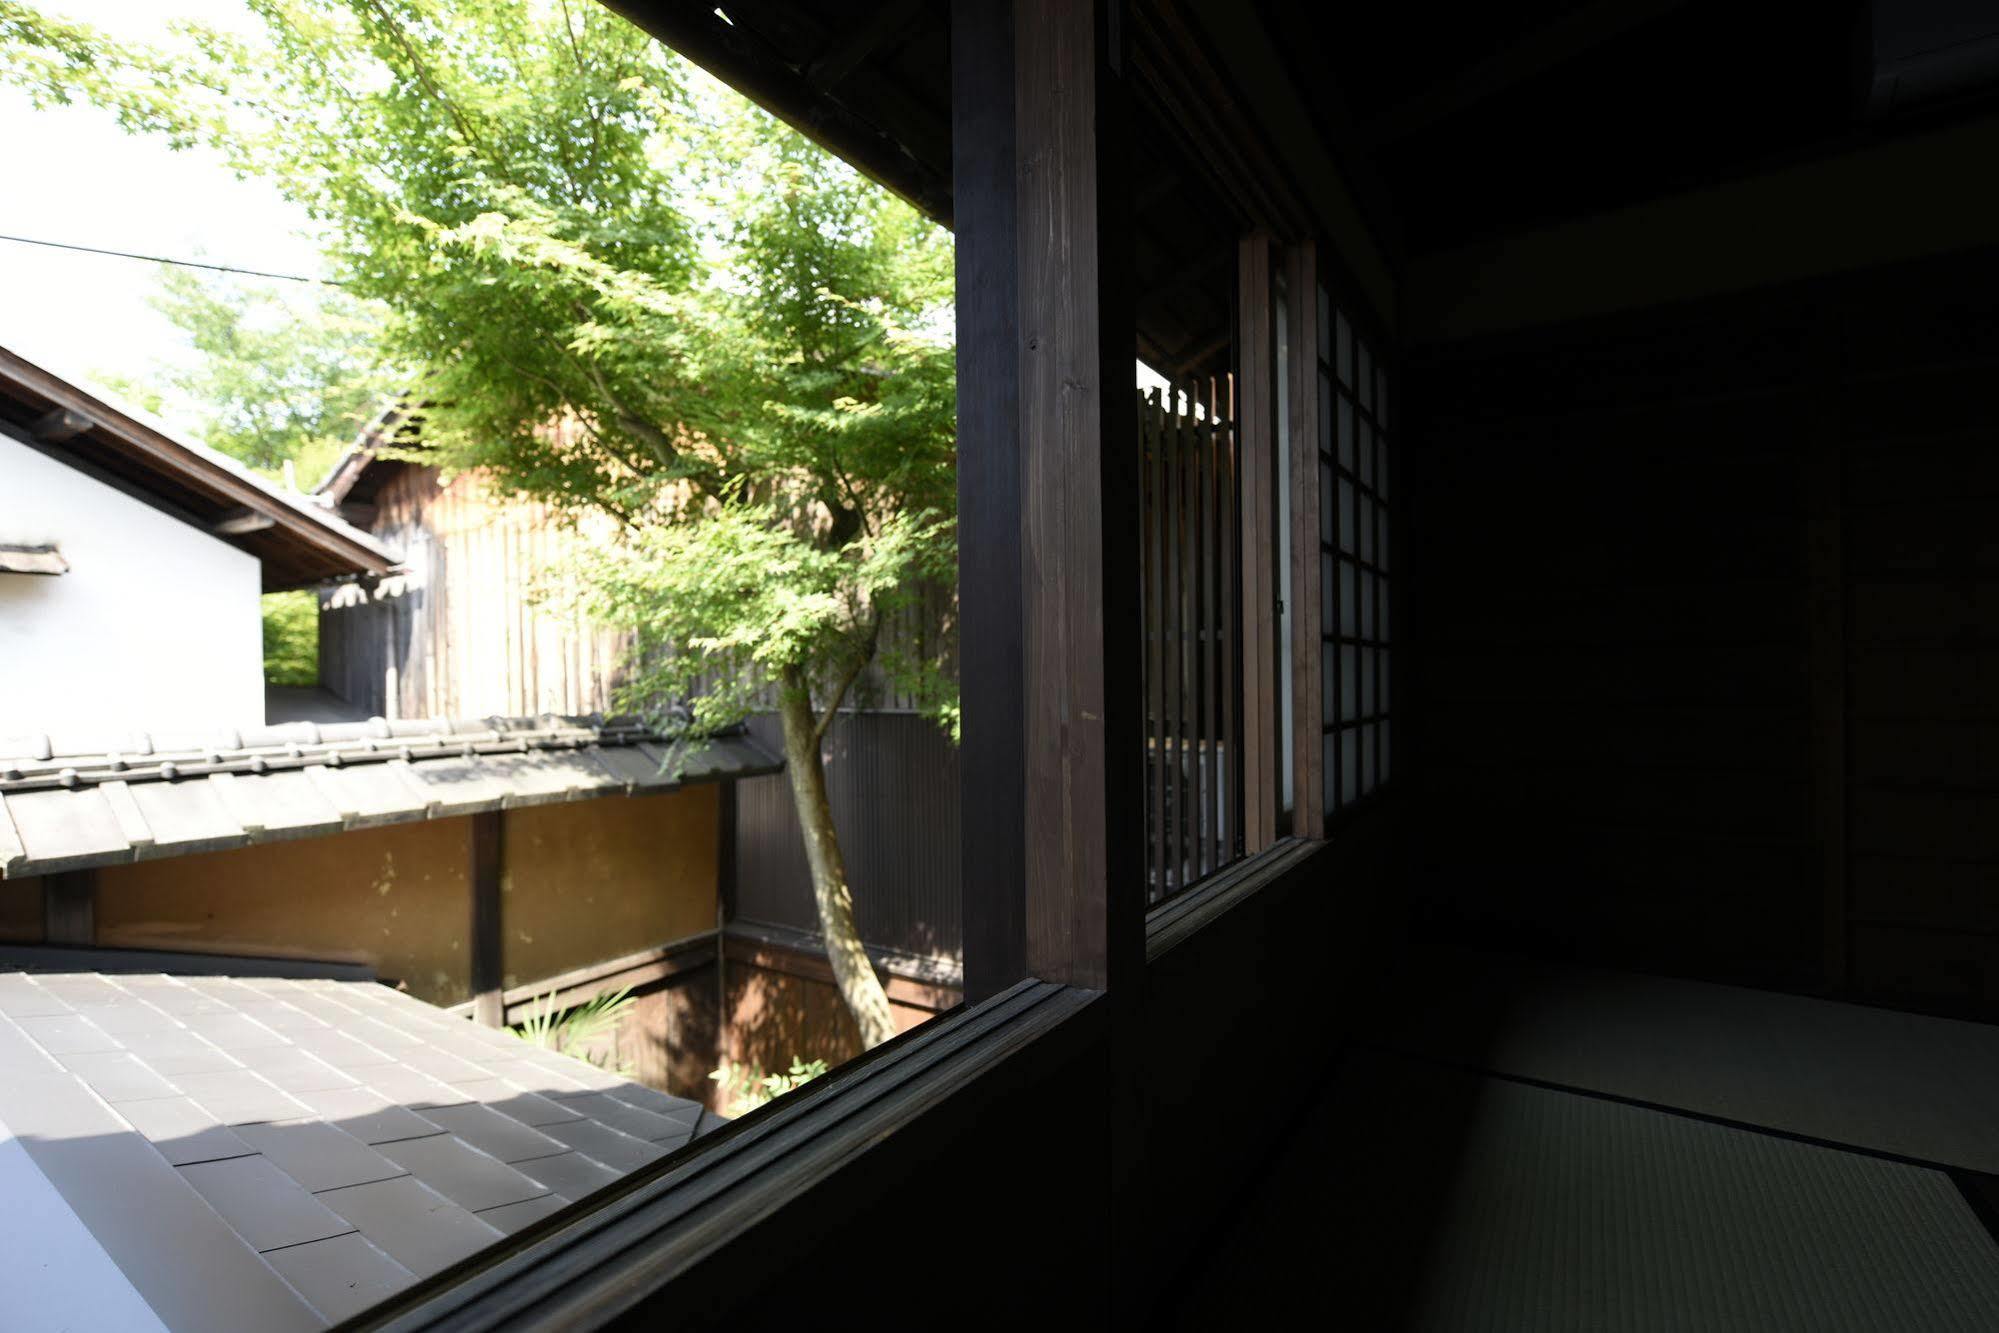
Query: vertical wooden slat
(1308, 807)
(1152, 447)
(1204, 644)
(69, 907)
(1256, 429)
(1231, 474)
(488, 964)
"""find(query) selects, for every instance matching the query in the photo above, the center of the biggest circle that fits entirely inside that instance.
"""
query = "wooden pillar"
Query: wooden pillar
(69, 907)
(1081, 618)
(1049, 487)
(488, 941)
(992, 779)
(1307, 692)
(1256, 433)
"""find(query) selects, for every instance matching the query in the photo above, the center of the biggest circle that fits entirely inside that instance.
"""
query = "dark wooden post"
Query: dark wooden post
(1256, 434)
(994, 840)
(488, 942)
(69, 907)
(1049, 488)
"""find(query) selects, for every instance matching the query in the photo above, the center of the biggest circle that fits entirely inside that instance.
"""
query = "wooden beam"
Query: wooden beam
(488, 941)
(1256, 434)
(69, 907)
(1568, 38)
(59, 424)
(831, 69)
(1082, 629)
(993, 844)
(241, 522)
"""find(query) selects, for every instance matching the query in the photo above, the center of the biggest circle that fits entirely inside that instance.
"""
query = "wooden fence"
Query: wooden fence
(1191, 526)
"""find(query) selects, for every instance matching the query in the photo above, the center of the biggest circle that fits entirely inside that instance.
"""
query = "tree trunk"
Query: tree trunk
(852, 972)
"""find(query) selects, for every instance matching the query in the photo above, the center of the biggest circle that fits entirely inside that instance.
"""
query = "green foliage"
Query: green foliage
(278, 376)
(746, 1087)
(559, 221)
(580, 1031)
(291, 638)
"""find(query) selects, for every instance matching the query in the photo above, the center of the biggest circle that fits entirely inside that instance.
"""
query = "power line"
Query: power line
(182, 263)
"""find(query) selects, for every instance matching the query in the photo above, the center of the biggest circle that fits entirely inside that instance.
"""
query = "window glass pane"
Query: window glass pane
(1365, 375)
(1387, 749)
(1381, 396)
(1366, 468)
(1329, 761)
(1343, 349)
(1325, 321)
(1326, 492)
(1366, 531)
(1349, 676)
(1325, 413)
(1327, 589)
(1387, 674)
(1327, 677)
(1381, 543)
(1381, 611)
(1349, 612)
(1381, 463)
(1349, 767)
(1367, 605)
(1346, 433)
(1367, 758)
(1346, 515)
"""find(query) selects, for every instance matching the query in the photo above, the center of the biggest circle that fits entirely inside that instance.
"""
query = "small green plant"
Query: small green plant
(746, 1087)
(578, 1031)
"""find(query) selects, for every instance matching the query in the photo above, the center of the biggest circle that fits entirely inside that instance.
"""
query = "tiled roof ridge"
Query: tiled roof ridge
(34, 763)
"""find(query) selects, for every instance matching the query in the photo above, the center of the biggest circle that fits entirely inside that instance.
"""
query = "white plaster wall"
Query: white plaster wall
(156, 626)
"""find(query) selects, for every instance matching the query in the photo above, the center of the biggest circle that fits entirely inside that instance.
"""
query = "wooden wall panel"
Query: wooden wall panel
(21, 911)
(595, 880)
(893, 780)
(1708, 665)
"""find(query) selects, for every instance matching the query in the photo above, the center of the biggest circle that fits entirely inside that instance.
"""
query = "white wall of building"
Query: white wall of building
(156, 626)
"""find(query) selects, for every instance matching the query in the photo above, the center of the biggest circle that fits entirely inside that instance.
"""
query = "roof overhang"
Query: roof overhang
(296, 542)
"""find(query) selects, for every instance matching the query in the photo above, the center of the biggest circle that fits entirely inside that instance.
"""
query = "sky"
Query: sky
(84, 181)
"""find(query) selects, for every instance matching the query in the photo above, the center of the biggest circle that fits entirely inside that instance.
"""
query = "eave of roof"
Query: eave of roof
(297, 542)
(68, 808)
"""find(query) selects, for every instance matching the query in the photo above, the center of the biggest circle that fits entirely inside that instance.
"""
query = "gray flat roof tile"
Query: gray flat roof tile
(185, 817)
(317, 1155)
(191, 1268)
(182, 1131)
(61, 829)
(132, 1016)
(21, 1054)
(177, 1051)
(282, 805)
(621, 1152)
(629, 1119)
(511, 1217)
(414, 1224)
(84, 990)
(659, 1103)
(296, 1070)
(409, 1087)
(68, 1034)
(21, 996)
(367, 1115)
(118, 1076)
(545, 1077)
(461, 1173)
(529, 1108)
(492, 1133)
(234, 1032)
(338, 1049)
(341, 1276)
(266, 1207)
(569, 1174)
(240, 1097)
